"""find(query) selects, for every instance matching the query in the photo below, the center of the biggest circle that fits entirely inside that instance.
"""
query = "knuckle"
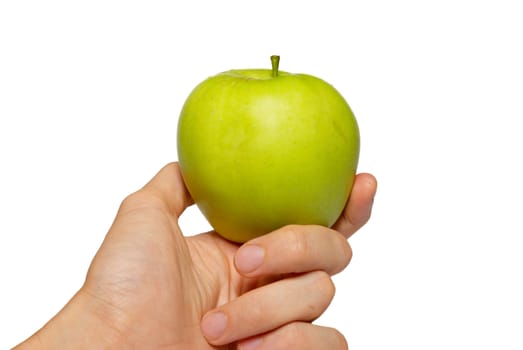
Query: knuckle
(138, 200)
(323, 292)
(132, 201)
(326, 286)
(297, 242)
(345, 254)
(300, 335)
(340, 340)
(294, 332)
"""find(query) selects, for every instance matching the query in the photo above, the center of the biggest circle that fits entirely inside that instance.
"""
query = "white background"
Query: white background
(89, 98)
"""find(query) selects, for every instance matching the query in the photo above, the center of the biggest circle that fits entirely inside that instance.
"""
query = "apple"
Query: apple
(261, 148)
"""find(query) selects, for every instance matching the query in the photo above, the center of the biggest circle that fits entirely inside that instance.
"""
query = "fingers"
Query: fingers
(267, 315)
(294, 249)
(166, 188)
(299, 298)
(297, 335)
(359, 206)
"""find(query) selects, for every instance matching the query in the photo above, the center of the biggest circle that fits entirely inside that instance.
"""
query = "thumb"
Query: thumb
(168, 186)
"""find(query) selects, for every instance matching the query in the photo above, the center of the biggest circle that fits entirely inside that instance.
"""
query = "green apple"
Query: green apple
(261, 148)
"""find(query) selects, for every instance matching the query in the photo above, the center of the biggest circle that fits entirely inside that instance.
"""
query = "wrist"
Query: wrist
(79, 325)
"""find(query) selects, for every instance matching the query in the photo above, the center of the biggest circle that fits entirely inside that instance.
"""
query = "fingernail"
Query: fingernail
(213, 325)
(249, 258)
(250, 344)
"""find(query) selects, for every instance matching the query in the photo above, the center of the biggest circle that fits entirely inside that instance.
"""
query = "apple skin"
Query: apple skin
(258, 152)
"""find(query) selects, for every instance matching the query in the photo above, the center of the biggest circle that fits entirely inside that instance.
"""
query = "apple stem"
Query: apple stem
(275, 60)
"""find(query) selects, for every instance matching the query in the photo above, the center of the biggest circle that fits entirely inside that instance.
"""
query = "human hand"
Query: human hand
(149, 287)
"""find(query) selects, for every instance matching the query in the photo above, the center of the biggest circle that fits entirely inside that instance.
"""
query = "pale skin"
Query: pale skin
(149, 287)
